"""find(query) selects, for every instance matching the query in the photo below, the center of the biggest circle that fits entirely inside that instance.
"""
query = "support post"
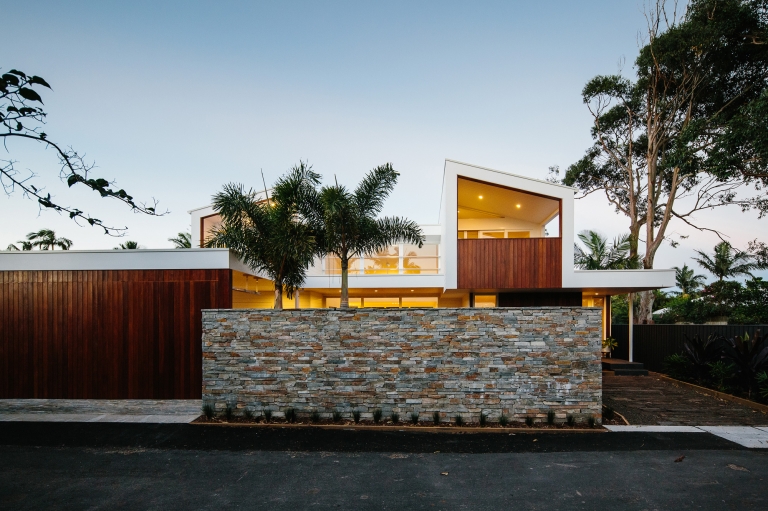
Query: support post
(631, 307)
(296, 297)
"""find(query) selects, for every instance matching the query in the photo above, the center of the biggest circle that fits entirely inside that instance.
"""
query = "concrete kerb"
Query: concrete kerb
(713, 393)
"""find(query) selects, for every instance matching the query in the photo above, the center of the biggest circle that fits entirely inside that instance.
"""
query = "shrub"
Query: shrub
(208, 410)
(720, 373)
(678, 366)
(503, 420)
(529, 421)
(356, 416)
(762, 384)
(290, 415)
(570, 420)
(591, 421)
(395, 417)
(248, 413)
(377, 413)
(749, 355)
(551, 417)
(436, 418)
(229, 412)
(483, 418)
(608, 412)
(336, 416)
(414, 418)
(459, 420)
(267, 414)
(314, 416)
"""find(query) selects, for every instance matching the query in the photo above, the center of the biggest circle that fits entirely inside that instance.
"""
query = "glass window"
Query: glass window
(384, 301)
(422, 260)
(383, 262)
(420, 302)
(485, 300)
(333, 265)
(518, 234)
(206, 225)
(336, 302)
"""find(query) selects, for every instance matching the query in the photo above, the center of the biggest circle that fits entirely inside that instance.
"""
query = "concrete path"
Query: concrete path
(753, 438)
(99, 410)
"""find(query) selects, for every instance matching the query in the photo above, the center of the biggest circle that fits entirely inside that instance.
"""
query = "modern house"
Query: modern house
(503, 241)
(127, 324)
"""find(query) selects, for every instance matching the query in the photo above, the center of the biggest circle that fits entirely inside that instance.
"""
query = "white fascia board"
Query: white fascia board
(143, 259)
(620, 279)
(376, 281)
(449, 216)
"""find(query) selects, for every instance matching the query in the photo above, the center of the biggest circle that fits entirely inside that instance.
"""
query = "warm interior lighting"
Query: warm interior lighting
(480, 197)
(517, 205)
(411, 290)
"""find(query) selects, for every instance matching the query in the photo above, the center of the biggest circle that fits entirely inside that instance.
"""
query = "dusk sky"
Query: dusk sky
(175, 99)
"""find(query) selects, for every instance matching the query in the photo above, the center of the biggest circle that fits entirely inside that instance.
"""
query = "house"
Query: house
(115, 324)
(503, 241)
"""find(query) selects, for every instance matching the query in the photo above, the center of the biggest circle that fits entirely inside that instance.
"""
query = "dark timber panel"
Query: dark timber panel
(520, 263)
(554, 299)
(127, 334)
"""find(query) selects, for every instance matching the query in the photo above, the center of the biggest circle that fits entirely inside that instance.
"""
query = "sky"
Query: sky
(173, 100)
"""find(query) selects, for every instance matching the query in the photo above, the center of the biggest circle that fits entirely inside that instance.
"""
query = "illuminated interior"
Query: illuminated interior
(489, 211)
(401, 259)
(593, 300)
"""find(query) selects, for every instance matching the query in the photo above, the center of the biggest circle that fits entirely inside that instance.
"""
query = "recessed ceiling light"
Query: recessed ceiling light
(375, 290)
(518, 205)
(480, 197)
(411, 290)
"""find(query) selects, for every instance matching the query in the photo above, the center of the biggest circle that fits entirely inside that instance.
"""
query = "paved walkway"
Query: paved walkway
(649, 400)
(99, 410)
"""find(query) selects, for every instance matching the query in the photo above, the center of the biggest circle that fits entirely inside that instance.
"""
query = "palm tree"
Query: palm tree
(726, 261)
(275, 236)
(183, 240)
(45, 239)
(25, 245)
(687, 281)
(603, 256)
(128, 245)
(349, 224)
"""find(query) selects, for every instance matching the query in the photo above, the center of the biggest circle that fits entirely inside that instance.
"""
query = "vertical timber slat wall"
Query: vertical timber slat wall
(106, 334)
(518, 263)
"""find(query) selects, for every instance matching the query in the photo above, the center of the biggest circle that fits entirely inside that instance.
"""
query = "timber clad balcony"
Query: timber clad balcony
(523, 263)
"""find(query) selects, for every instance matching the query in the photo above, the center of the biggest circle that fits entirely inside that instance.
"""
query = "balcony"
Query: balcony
(517, 263)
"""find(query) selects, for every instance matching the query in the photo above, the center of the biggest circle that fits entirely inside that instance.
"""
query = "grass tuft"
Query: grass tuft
(436, 418)
(356, 416)
(314, 416)
(290, 415)
(591, 421)
(529, 421)
(395, 417)
(503, 420)
(248, 414)
(414, 418)
(377, 413)
(483, 418)
(208, 410)
(551, 417)
(570, 419)
(267, 414)
(336, 416)
(229, 412)
(459, 420)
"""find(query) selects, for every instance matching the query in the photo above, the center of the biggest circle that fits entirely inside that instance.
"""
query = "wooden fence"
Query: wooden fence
(653, 343)
(122, 334)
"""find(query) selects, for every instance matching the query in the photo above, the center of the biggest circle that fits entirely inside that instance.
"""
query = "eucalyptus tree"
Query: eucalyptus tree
(277, 236)
(687, 280)
(690, 124)
(46, 239)
(601, 255)
(350, 223)
(183, 240)
(22, 119)
(726, 261)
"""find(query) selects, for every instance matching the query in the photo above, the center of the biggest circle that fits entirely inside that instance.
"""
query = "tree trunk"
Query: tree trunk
(645, 314)
(278, 296)
(344, 283)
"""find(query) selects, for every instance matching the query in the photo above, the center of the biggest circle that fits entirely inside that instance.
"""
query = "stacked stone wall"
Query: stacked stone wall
(520, 362)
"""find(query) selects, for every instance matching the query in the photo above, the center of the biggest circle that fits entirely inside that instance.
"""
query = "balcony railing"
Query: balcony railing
(523, 263)
(397, 260)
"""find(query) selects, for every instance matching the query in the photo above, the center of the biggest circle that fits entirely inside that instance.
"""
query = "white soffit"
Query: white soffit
(142, 259)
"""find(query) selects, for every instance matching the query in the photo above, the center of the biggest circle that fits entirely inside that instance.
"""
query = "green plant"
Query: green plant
(267, 413)
(377, 413)
(608, 412)
(290, 415)
(248, 413)
(722, 372)
(529, 421)
(749, 355)
(551, 417)
(314, 416)
(678, 366)
(336, 416)
(208, 410)
(762, 384)
(356, 416)
(483, 418)
(591, 421)
(395, 417)
(610, 343)
(503, 420)
(436, 418)
(702, 352)
(229, 412)
(459, 420)
(570, 419)
(414, 418)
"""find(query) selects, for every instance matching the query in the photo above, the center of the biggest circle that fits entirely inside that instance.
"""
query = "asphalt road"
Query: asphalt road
(135, 468)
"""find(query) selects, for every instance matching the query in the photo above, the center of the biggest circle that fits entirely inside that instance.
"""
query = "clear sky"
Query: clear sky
(174, 99)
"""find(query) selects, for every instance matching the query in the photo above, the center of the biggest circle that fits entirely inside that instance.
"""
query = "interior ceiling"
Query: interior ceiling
(498, 202)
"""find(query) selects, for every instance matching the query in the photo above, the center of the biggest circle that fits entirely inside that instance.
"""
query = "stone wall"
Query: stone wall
(518, 362)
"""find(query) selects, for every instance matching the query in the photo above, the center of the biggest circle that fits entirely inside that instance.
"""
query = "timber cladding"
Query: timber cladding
(105, 334)
(521, 263)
